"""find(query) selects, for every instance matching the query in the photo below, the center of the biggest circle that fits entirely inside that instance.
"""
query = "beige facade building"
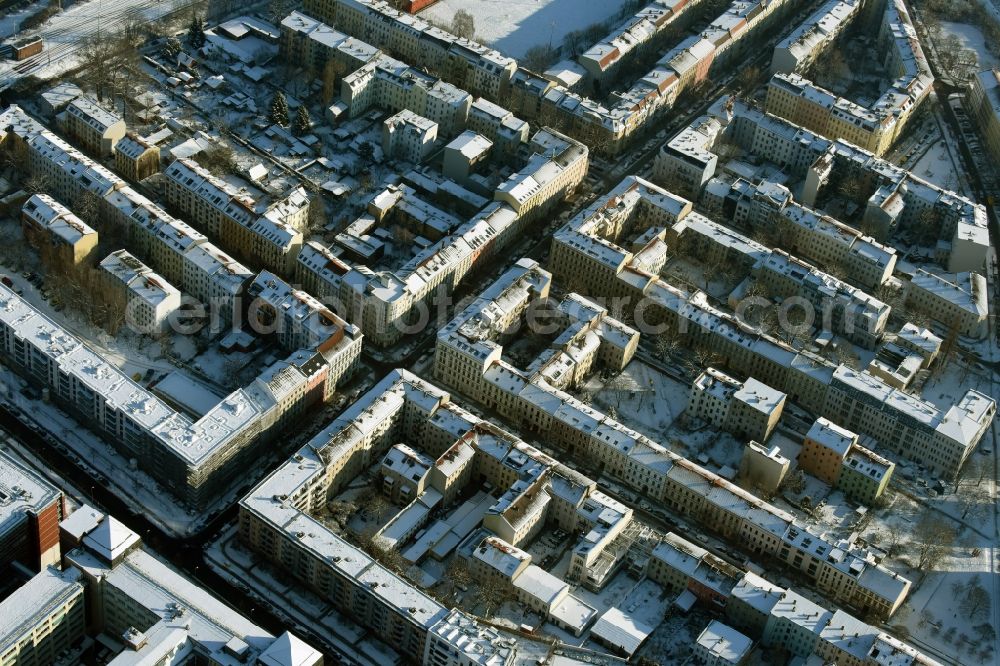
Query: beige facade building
(983, 103)
(63, 240)
(750, 409)
(587, 256)
(96, 128)
(135, 158)
(42, 618)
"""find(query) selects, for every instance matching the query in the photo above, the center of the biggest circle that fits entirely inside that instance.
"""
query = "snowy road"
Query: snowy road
(65, 32)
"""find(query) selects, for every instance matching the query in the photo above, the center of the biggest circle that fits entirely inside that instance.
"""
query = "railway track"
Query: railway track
(63, 41)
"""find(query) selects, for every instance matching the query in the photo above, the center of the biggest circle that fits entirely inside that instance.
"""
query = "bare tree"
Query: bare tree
(463, 25)
(975, 601)
(539, 58)
(933, 537)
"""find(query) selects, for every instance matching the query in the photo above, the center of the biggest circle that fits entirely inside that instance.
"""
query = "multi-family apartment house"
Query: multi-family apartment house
(939, 439)
(470, 65)
(29, 517)
(983, 103)
(801, 48)
(42, 618)
(63, 240)
(409, 137)
(266, 235)
(98, 129)
(315, 44)
(158, 615)
(135, 158)
(149, 299)
(557, 166)
(959, 303)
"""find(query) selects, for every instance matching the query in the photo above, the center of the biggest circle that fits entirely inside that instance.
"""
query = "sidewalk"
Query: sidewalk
(310, 615)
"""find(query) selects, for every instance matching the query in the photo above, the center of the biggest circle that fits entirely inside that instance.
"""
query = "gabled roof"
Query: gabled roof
(289, 650)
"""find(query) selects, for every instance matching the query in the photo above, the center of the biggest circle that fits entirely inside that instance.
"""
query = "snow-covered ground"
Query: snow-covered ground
(972, 38)
(65, 32)
(935, 166)
(514, 26)
(641, 397)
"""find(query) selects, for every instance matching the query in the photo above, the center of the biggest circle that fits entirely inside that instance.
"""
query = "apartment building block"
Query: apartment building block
(62, 239)
(586, 256)
(98, 129)
(381, 302)
(409, 137)
(777, 617)
(824, 449)
(557, 165)
(391, 84)
(640, 33)
(276, 516)
(800, 49)
(983, 104)
(749, 409)
(174, 249)
(267, 234)
(469, 356)
(149, 300)
(958, 303)
(197, 460)
(319, 47)
(894, 197)
(483, 71)
(42, 618)
(135, 158)
(499, 125)
(156, 614)
(721, 645)
(29, 517)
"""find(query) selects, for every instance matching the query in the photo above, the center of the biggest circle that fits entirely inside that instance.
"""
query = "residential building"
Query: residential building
(557, 165)
(408, 137)
(873, 128)
(267, 234)
(321, 48)
(135, 158)
(720, 645)
(864, 475)
(983, 104)
(197, 460)
(640, 33)
(498, 125)
(761, 469)
(390, 84)
(29, 517)
(42, 618)
(958, 303)
(464, 155)
(469, 356)
(167, 243)
(149, 300)
(459, 640)
(750, 409)
(98, 129)
(824, 449)
(811, 39)
(586, 256)
(63, 240)
(158, 615)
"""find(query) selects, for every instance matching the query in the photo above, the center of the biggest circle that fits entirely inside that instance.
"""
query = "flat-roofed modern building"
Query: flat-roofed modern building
(42, 618)
(30, 511)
